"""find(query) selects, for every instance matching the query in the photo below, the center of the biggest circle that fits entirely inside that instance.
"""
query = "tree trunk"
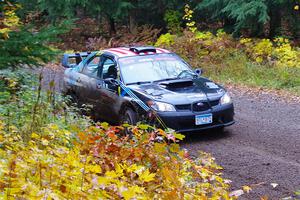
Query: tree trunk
(112, 27)
(132, 22)
(132, 17)
(275, 21)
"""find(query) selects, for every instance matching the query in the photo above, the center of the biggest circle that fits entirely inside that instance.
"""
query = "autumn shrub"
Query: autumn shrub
(277, 53)
(66, 156)
(145, 35)
(165, 40)
(198, 47)
(256, 62)
(286, 55)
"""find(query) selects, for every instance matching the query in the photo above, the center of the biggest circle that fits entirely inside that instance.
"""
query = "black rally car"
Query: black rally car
(146, 83)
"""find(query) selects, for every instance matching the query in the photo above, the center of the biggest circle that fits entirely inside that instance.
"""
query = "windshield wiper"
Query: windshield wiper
(139, 83)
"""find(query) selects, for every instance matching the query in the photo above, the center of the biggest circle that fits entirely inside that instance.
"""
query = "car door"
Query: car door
(87, 80)
(106, 94)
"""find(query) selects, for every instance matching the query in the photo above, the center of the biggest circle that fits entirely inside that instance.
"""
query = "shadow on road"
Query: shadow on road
(205, 136)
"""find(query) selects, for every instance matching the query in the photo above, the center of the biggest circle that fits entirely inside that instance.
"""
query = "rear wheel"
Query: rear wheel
(71, 98)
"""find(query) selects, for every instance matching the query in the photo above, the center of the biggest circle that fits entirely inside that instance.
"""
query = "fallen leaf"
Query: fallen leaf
(247, 189)
(274, 185)
(237, 193)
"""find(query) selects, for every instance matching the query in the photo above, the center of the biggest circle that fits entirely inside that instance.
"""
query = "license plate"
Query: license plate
(204, 119)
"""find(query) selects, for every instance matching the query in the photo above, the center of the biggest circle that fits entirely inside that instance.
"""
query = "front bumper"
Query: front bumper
(223, 115)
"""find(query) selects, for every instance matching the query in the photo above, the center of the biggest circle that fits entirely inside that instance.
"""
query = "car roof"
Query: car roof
(127, 52)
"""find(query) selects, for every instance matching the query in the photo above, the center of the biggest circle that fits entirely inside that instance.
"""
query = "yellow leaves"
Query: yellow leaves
(94, 169)
(165, 40)
(174, 148)
(278, 52)
(159, 148)
(34, 135)
(188, 16)
(179, 136)
(146, 176)
(259, 59)
(246, 189)
(134, 168)
(102, 180)
(10, 18)
(114, 174)
(245, 41)
(188, 12)
(104, 165)
(1, 125)
(132, 192)
(10, 21)
(285, 54)
(263, 48)
(44, 142)
(205, 36)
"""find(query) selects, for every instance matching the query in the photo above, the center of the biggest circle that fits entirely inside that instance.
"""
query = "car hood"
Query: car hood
(181, 91)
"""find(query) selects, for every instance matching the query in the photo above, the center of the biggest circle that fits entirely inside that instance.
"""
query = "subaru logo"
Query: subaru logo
(200, 104)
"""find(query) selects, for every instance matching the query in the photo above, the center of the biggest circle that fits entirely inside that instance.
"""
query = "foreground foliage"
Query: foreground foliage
(100, 164)
(61, 155)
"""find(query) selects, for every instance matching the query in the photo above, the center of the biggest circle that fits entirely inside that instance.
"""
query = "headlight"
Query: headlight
(160, 106)
(225, 99)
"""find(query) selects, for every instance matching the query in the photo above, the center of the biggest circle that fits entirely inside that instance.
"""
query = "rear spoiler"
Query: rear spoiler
(73, 59)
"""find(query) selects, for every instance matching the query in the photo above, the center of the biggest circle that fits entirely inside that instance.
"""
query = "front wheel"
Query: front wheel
(219, 130)
(129, 117)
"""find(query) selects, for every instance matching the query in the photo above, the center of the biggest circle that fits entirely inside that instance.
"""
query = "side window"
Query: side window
(91, 67)
(109, 69)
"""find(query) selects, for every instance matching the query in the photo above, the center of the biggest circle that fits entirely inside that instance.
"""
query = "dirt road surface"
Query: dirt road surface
(262, 148)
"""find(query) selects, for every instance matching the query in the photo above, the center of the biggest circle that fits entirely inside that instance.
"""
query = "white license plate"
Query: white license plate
(204, 119)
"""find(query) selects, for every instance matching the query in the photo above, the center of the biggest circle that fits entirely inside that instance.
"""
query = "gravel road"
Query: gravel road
(263, 147)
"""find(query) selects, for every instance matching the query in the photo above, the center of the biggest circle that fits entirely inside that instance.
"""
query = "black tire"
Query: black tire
(219, 130)
(73, 100)
(129, 117)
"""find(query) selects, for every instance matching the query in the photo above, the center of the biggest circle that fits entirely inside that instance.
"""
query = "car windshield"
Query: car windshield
(149, 68)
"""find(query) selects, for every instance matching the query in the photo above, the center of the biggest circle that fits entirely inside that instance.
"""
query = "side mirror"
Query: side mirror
(198, 71)
(111, 81)
(65, 62)
(71, 60)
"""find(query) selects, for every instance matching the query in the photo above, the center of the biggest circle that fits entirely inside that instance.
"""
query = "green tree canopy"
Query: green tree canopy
(253, 15)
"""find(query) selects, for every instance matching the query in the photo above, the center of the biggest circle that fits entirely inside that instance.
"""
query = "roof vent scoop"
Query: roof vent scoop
(139, 50)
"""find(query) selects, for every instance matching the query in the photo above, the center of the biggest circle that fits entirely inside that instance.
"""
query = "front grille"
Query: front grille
(214, 103)
(197, 107)
(200, 106)
(183, 107)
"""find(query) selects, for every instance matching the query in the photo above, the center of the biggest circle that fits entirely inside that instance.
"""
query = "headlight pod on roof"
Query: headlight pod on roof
(225, 99)
(162, 107)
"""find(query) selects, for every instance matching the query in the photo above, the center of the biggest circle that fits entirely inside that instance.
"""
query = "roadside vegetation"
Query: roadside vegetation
(266, 63)
(49, 150)
(251, 43)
